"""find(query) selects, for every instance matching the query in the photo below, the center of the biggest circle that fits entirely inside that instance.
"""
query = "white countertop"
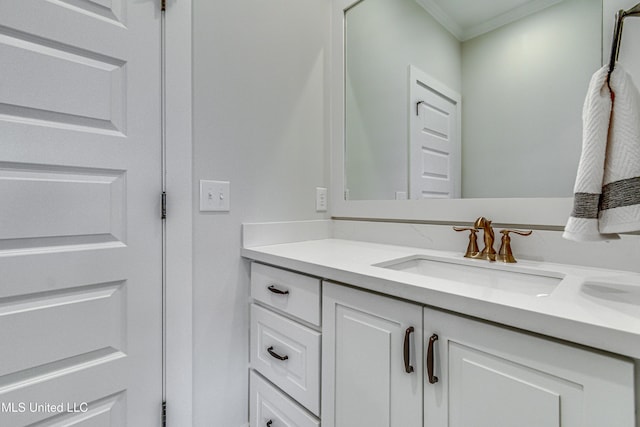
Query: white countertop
(604, 320)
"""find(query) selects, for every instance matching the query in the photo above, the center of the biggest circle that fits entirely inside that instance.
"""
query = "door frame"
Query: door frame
(178, 310)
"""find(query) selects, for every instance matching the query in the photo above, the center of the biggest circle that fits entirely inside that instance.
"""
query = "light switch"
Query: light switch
(214, 196)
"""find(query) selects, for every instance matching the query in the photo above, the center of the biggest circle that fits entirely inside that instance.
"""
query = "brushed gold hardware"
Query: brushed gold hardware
(472, 248)
(488, 252)
(505, 254)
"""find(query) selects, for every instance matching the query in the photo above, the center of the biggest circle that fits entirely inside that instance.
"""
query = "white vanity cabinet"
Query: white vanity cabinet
(271, 408)
(371, 360)
(487, 375)
(291, 293)
(356, 356)
(284, 348)
(491, 376)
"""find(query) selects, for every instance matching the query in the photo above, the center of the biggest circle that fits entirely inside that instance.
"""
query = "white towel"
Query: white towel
(607, 189)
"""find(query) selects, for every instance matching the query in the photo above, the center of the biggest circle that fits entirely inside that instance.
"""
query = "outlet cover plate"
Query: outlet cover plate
(321, 199)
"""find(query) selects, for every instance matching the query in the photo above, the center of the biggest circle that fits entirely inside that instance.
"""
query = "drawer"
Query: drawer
(288, 355)
(270, 404)
(294, 294)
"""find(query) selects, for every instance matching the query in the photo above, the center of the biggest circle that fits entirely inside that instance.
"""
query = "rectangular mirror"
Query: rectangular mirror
(472, 99)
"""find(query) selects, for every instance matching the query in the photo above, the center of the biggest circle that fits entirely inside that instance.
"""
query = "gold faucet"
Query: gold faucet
(488, 252)
(472, 248)
(505, 254)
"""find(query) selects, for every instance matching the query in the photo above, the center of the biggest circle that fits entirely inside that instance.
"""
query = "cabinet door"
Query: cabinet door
(365, 382)
(490, 376)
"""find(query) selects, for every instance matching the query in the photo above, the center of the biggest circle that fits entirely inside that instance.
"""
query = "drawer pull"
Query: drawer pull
(269, 423)
(276, 355)
(407, 364)
(432, 378)
(275, 290)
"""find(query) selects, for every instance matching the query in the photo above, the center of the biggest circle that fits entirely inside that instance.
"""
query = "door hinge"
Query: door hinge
(163, 5)
(164, 205)
(164, 413)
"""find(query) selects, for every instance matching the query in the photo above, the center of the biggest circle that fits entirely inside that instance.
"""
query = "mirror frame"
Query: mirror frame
(537, 212)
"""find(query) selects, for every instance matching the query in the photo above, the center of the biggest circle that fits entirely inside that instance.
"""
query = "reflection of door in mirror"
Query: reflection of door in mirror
(434, 138)
(522, 68)
(382, 38)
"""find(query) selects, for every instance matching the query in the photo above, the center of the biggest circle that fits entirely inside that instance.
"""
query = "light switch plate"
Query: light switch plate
(214, 196)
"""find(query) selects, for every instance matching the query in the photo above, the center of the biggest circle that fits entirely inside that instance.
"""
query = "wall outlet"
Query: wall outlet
(321, 199)
(214, 196)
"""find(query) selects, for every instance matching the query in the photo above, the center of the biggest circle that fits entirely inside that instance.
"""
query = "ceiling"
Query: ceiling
(466, 19)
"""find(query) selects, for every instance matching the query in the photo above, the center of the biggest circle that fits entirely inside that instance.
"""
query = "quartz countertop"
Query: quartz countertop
(604, 315)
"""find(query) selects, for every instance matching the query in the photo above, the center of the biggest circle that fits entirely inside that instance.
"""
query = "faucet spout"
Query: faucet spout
(481, 223)
(488, 236)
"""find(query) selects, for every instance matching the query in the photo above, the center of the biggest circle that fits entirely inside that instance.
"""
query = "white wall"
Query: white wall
(261, 122)
(523, 85)
(383, 38)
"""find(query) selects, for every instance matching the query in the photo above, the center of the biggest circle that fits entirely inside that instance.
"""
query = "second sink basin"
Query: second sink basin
(504, 277)
(616, 293)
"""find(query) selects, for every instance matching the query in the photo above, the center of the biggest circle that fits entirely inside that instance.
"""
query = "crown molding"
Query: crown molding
(503, 19)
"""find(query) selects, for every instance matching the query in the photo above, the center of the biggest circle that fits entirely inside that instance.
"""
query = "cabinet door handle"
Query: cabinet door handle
(269, 423)
(275, 290)
(276, 355)
(407, 367)
(432, 378)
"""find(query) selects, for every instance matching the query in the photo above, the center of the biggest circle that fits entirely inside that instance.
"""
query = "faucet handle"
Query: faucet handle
(505, 254)
(472, 248)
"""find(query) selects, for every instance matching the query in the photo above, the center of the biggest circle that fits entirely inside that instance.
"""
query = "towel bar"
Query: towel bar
(617, 33)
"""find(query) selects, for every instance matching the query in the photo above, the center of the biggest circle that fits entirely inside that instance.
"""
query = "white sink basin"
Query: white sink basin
(505, 277)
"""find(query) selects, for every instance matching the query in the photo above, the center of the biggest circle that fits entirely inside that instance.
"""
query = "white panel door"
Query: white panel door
(80, 230)
(489, 376)
(366, 381)
(435, 143)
